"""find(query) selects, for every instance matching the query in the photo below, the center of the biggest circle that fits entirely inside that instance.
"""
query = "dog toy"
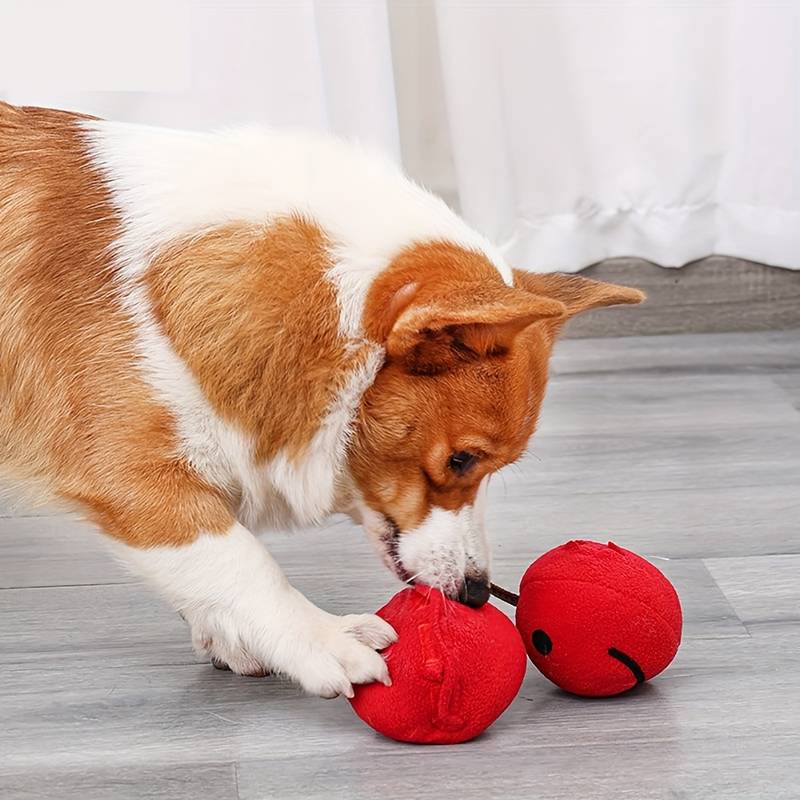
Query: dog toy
(454, 670)
(597, 619)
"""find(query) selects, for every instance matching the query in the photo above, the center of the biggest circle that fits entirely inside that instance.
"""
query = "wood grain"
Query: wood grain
(789, 381)
(717, 293)
(139, 782)
(762, 590)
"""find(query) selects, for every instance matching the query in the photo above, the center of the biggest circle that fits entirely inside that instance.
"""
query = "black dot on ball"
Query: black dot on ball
(541, 641)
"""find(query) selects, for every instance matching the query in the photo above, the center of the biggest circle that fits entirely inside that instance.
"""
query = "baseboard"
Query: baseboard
(712, 295)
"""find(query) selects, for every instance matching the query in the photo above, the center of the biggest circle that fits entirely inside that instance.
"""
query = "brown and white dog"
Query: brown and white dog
(203, 336)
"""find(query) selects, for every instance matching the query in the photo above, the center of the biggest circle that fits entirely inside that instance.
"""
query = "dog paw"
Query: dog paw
(260, 671)
(327, 655)
(343, 654)
(227, 653)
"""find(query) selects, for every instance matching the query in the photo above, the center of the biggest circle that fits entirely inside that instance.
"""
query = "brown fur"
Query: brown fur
(75, 420)
(250, 312)
(576, 293)
(466, 370)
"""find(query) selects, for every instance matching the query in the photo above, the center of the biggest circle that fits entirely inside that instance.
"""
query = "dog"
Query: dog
(204, 336)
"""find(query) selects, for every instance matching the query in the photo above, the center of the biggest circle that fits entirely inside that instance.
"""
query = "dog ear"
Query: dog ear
(576, 293)
(435, 333)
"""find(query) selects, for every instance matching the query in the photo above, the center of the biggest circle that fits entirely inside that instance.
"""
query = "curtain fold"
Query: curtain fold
(664, 130)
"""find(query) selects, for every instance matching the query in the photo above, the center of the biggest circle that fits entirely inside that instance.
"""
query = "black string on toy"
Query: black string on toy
(503, 594)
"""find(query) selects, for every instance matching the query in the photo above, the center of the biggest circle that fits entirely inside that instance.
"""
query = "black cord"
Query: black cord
(503, 594)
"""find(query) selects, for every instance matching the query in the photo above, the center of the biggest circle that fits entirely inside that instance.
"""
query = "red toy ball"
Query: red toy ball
(597, 619)
(454, 670)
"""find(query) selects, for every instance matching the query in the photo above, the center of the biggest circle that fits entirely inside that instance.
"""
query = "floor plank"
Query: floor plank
(789, 381)
(763, 591)
(707, 354)
(54, 551)
(660, 460)
(718, 293)
(629, 404)
(669, 523)
(121, 782)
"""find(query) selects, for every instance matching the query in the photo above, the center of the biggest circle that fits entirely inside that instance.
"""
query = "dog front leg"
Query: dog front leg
(244, 613)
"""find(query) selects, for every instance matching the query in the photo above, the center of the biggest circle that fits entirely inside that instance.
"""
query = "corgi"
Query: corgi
(205, 336)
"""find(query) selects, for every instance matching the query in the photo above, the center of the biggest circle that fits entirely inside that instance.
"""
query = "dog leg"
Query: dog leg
(243, 613)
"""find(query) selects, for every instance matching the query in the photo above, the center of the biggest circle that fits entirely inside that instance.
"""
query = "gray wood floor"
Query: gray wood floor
(683, 448)
(714, 294)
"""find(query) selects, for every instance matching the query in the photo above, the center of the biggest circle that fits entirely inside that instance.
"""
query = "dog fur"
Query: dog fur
(204, 336)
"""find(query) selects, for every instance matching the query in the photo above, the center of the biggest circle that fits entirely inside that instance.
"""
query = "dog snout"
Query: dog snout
(474, 591)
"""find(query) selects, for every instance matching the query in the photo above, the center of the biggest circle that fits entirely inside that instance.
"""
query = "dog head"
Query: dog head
(457, 399)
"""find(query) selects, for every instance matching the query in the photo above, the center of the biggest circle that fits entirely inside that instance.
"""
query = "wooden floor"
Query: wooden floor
(712, 295)
(683, 448)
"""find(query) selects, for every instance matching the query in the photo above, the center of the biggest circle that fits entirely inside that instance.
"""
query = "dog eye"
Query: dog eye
(461, 462)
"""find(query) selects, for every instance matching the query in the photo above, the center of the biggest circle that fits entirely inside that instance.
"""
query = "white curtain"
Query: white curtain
(661, 129)
(566, 130)
(323, 64)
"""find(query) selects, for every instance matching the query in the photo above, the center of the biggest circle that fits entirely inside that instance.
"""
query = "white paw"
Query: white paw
(226, 651)
(344, 654)
(324, 653)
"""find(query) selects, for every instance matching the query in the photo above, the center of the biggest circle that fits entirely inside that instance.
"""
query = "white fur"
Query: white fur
(310, 485)
(217, 450)
(171, 183)
(243, 612)
(447, 545)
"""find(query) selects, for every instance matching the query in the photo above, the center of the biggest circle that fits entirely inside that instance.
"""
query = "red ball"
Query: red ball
(597, 619)
(454, 670)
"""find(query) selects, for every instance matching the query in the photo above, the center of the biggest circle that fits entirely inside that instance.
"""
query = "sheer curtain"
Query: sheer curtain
(323, 64)
(665, 130)
(566, 130)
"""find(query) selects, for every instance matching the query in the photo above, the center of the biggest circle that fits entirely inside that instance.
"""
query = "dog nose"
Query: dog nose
(475, 592)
